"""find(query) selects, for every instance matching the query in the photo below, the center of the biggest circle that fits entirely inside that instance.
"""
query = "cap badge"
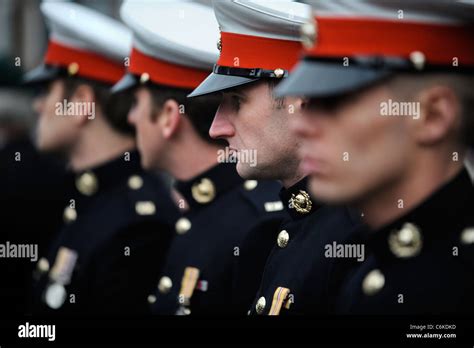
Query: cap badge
(219, 42)
(418, 59)
(144, 77)
(73, 69)
(279, 73)
(309, 32)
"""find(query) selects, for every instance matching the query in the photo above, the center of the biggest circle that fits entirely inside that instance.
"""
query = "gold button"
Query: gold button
(151, 299)
(183, 225)
(165, 285)
(43, 265)
(144, 77)
(135, 182)
(249, 185)
(283, 238)
(308, 33)
(145, 208)
(279, 72)
(467, 236)
(69, 214)
(301, 202)
(73, 69)
(373, 282)
(87, 184)
(260, 306)
(204, 191)
(418, 59)
(406, 242)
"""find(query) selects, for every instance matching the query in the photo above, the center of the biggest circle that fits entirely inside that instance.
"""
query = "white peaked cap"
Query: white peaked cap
(378, 39)
(259, 39)
(83, 42)
(174, 42)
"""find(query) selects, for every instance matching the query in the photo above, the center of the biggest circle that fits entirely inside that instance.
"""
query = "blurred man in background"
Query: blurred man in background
(400, 109)
(32, 191)
(117, 220)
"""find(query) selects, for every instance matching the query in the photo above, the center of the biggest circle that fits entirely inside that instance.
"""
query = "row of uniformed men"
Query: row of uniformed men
(229, 239)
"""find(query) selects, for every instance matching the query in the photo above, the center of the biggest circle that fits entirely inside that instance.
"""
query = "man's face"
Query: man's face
(55, 131)
(253, 123)
(150, 142)
(349, 149)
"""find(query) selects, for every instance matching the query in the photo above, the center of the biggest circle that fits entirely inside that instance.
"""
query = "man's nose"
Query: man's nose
(221, 128)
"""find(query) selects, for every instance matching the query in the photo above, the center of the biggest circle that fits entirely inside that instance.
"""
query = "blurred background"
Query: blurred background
(23, 42)
(23, 32)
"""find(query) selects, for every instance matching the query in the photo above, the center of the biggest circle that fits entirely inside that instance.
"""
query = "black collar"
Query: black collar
(108, 175)
(215, 182)
(439, 216)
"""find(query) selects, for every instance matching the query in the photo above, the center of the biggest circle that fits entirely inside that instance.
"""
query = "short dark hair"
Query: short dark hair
(115, 107)
(461, 84)
(200, 111)
(272, 84)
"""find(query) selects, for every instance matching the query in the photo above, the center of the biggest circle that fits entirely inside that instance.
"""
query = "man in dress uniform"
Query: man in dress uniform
(259, 45)
(174, 49)
(118, 220)
(405, 173)
(28, 180)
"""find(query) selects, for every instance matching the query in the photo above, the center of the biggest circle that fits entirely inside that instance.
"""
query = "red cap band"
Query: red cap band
(440, 43)
(91, 65)
(252, 52)
(165, 73)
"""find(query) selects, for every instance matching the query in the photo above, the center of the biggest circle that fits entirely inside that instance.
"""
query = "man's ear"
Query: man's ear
(170, 118)
(439, 114)
(83, 99)
(296, 102)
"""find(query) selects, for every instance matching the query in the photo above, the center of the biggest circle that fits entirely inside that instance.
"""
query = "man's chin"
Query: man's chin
(327, 192)
(248, 172)
(244, 171)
